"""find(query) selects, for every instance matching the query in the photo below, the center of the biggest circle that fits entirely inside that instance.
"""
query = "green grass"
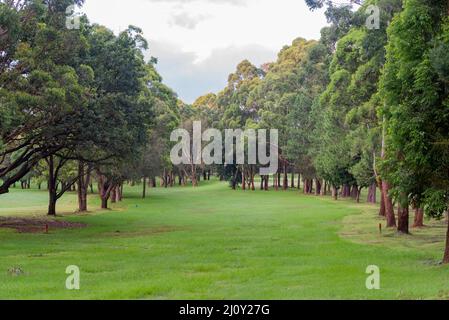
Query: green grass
(215, 243)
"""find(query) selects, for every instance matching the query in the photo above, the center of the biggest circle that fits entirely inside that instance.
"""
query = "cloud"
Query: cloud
(185, 20)
(192, 79)
(200, 42)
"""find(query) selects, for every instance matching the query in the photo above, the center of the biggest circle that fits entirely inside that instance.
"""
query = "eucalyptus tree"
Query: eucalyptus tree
(415, 95)
(41, 95)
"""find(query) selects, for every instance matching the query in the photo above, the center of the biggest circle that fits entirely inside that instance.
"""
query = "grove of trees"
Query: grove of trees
(360, 108)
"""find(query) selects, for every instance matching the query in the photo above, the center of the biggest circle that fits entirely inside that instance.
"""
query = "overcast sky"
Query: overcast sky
(199, 42)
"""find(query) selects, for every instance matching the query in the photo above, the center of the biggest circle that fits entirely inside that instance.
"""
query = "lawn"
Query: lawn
(215, 243)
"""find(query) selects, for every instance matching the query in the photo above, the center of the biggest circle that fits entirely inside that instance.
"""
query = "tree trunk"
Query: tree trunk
(114, 195)
(354, 192)
(318, 187)
(372, 193)
(334, 193)
(243, 178)
(144, 191)
(446, 251)
(104, 187)
(279, 179)
(118, 193)
(83, 184)
(389, 210)
(293, 180)
(419, 218)
(403, 219)
(285, 182)
(382, 206)
(359, 192)
(52, 189)
(104, 203)
(52, 204)
(323, 188)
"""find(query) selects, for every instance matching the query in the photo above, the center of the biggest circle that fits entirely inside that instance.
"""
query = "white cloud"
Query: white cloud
(203, 33)
(185, 20)
(192, 79)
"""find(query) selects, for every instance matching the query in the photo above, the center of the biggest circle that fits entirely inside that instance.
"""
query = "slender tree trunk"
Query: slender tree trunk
(83, 184)
(144, 191)
(318, 187)
(113, 195)
(323, 188)
(104, 203)
(310, 190)
(279, 179)
(446, 251)
(267, 178)
(285, 182)
(389, 210)
(372, 193)
(118, 193)
(359, 192)
(193, 177)
(292, 185)
(243, 178)
(419, 218)
(382, 211)
(51, 187)
(104, 187)
(354, 192)
(334, 193)
(403, 219)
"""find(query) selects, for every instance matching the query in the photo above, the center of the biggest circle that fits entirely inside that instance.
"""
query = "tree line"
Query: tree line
(77, 105)
(357, 109)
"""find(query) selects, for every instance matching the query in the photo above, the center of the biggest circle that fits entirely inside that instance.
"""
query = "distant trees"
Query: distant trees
(359, 109)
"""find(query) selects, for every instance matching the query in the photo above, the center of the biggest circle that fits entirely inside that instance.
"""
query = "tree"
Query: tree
(39, 90)
(414, 91)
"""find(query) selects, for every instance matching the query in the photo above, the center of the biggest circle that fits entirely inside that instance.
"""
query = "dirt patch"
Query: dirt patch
(22, 225)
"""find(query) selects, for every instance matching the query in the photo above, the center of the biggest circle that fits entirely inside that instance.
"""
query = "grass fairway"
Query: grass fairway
(215, 243)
